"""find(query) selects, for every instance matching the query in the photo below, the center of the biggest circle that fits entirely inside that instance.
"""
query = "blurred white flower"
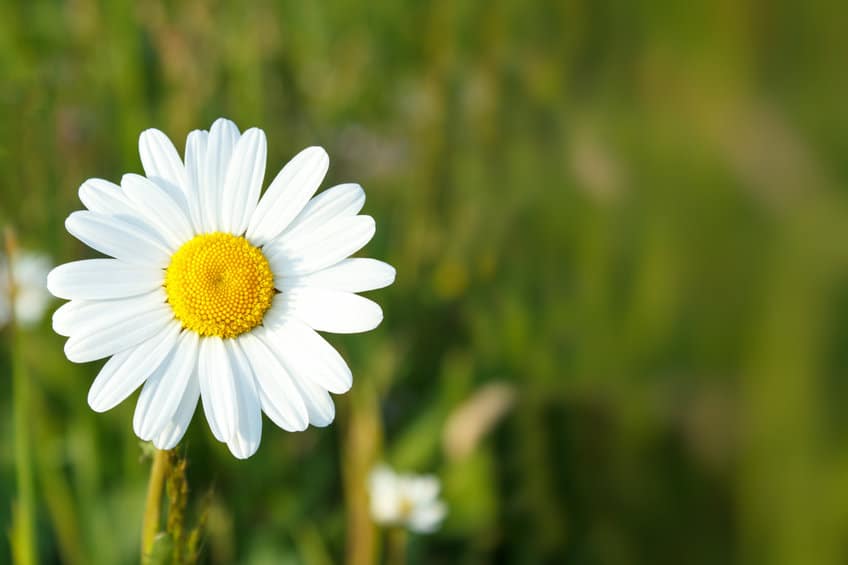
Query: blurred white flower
(29, 271)
(411, 501)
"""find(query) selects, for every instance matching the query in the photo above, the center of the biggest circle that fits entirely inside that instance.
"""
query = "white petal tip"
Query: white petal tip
(96, 403)
(342, 389)
(319, 155)
(52, 287)
(73, 355)
(254, 132)
(165, 445)
(317, 150)
(240, 450)
(224, 122)
(71, 221)
(96, 408)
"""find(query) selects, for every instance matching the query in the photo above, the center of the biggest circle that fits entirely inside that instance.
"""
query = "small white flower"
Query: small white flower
(411, 501)
(29, 271)
(215, 294)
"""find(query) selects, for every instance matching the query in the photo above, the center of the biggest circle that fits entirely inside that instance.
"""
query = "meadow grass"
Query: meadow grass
(627, 217)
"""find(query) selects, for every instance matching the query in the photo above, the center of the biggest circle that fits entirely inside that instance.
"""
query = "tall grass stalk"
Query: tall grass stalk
(153, 506)
(24, 548)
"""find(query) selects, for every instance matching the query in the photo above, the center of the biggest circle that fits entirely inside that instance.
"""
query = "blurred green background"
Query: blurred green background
(619, 324)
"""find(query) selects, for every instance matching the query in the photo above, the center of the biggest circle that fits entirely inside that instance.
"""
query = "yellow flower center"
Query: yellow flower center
(219, 284)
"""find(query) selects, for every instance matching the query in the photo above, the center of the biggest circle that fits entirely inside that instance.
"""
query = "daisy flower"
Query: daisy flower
(214, 293)
(29, 276)
(410, 501)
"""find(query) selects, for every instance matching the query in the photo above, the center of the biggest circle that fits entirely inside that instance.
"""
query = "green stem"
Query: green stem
(24, 546)
(54, 488)
(152, 510)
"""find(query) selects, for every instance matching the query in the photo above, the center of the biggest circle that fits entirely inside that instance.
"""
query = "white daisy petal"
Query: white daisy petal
(426, 519)
(118, 238)
(288, 193)
(312, 251)
(195, 165)
(423, 488)
(173, 432)
(243, 182)
(333, 311)
(164, 390)
(80, 317)
(158, 208)
(66, 314)
(319, 403)
(103, 197)
(248, 431)
(162, 164)
(99, 279)
(217, 388)
(335, 202)
(351, 275)
(127, 370)
(383, 492)
(279, 396)
(279, 311)
(223, 136)
(307, 354)
(84, 347)
(108, 199)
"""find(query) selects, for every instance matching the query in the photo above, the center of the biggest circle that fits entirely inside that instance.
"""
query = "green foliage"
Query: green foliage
(632, 214)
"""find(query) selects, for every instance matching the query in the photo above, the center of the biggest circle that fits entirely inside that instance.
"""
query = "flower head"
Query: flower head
(29, 278)
(411, 501)
(214, 293)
